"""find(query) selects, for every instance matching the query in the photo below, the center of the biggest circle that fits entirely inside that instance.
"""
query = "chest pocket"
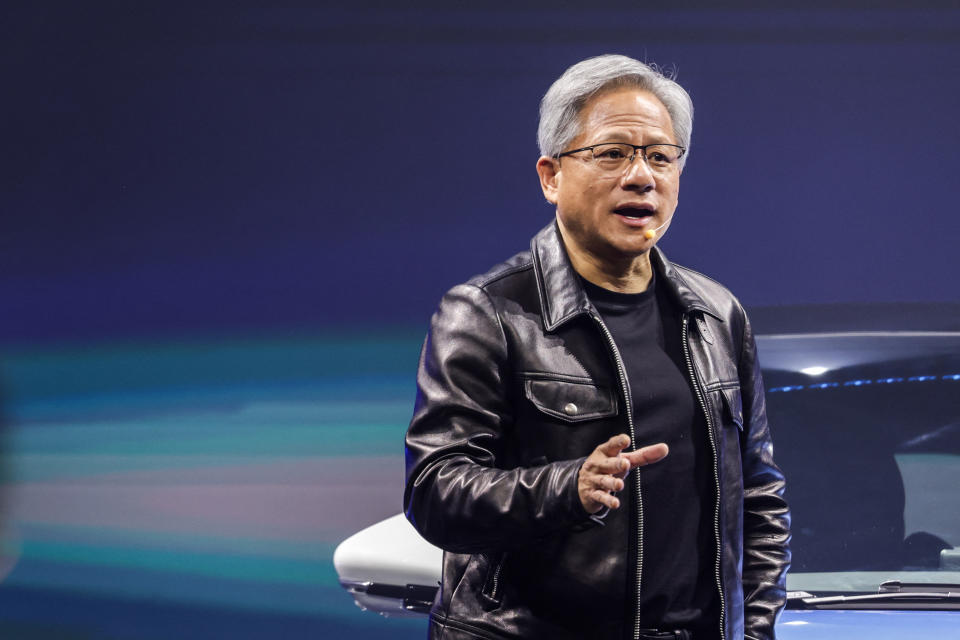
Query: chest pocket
(733, 405)
(571, 401)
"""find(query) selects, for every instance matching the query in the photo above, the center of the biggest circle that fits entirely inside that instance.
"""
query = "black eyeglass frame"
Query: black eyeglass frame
(636, 147)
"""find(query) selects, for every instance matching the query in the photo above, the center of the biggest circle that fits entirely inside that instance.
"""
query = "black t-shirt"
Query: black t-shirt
(678, 583)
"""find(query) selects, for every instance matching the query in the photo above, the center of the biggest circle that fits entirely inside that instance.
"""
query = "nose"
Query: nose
(638, 175)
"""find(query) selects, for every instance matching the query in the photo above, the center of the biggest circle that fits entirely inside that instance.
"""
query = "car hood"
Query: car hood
(868, 625)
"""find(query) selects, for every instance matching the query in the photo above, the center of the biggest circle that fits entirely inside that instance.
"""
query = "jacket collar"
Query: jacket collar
(562, 297)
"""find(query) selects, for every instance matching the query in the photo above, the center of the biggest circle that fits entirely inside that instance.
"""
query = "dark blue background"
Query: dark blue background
(180, 167)
(224, 226)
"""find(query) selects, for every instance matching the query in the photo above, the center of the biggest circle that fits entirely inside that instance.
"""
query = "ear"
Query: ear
(549, 171)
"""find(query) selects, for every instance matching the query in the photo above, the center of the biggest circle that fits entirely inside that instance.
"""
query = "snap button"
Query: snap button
(570, 409)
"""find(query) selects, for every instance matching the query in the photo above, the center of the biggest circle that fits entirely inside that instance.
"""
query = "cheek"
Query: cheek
(674, 198)
(588, 198)
(674, 191)
(575, 199)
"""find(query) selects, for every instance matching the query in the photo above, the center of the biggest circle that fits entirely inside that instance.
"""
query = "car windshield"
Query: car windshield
(867, 431)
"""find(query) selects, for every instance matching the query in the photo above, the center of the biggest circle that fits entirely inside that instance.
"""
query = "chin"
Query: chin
(630, 250)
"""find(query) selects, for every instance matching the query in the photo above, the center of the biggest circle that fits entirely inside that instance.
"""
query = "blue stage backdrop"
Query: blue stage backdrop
(224, 227)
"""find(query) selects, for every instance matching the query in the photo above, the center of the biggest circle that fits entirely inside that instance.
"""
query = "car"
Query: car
(864, 406)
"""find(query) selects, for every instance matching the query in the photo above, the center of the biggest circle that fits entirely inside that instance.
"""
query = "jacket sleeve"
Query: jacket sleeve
(458, 494)
(766, 519)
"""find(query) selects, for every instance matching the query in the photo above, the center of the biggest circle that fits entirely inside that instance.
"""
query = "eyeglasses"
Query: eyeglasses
(614, 157)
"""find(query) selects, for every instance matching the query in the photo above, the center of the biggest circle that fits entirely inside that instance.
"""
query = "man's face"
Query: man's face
(606, 214)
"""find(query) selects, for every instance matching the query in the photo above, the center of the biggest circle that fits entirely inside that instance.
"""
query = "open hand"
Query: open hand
(603, 472)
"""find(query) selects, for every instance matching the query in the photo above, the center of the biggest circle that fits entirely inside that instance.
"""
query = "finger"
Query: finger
(602, 482)
(614, 445)
(608, 466)
(605, 499)
(647, 455)
(608, 483)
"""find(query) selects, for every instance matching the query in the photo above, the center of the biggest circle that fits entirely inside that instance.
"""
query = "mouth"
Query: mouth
(638, 215)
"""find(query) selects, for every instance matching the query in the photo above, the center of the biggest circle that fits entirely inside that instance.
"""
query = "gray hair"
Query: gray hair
(561, 106)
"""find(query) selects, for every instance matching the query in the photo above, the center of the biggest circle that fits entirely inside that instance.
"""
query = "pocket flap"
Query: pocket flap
(571, 401)
(733, 404)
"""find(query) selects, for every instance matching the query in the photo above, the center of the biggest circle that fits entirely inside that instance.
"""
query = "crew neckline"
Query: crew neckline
(600, 294)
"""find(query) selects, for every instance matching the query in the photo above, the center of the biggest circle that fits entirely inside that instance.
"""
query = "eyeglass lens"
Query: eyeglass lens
(614, 157)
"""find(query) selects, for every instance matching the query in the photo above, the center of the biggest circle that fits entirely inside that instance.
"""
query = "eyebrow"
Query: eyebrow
(614, 141)
(621, 138)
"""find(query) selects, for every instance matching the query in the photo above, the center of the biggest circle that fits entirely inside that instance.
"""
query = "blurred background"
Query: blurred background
(224, 227)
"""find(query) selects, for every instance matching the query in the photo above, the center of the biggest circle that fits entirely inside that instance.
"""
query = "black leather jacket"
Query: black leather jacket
(519, 381)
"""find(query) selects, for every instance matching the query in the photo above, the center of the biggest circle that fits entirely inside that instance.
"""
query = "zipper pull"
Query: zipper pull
(704, 330)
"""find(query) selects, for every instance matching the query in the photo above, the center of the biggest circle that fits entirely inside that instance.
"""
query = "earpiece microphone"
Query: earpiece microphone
(650, 234)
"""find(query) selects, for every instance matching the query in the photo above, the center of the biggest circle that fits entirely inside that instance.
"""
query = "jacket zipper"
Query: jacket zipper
(633, 441)
(716, 465)
(496, 576)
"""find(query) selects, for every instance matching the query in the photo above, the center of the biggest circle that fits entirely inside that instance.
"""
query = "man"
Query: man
(589, 444)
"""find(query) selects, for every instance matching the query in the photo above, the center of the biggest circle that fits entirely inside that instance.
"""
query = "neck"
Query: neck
(623, 274)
